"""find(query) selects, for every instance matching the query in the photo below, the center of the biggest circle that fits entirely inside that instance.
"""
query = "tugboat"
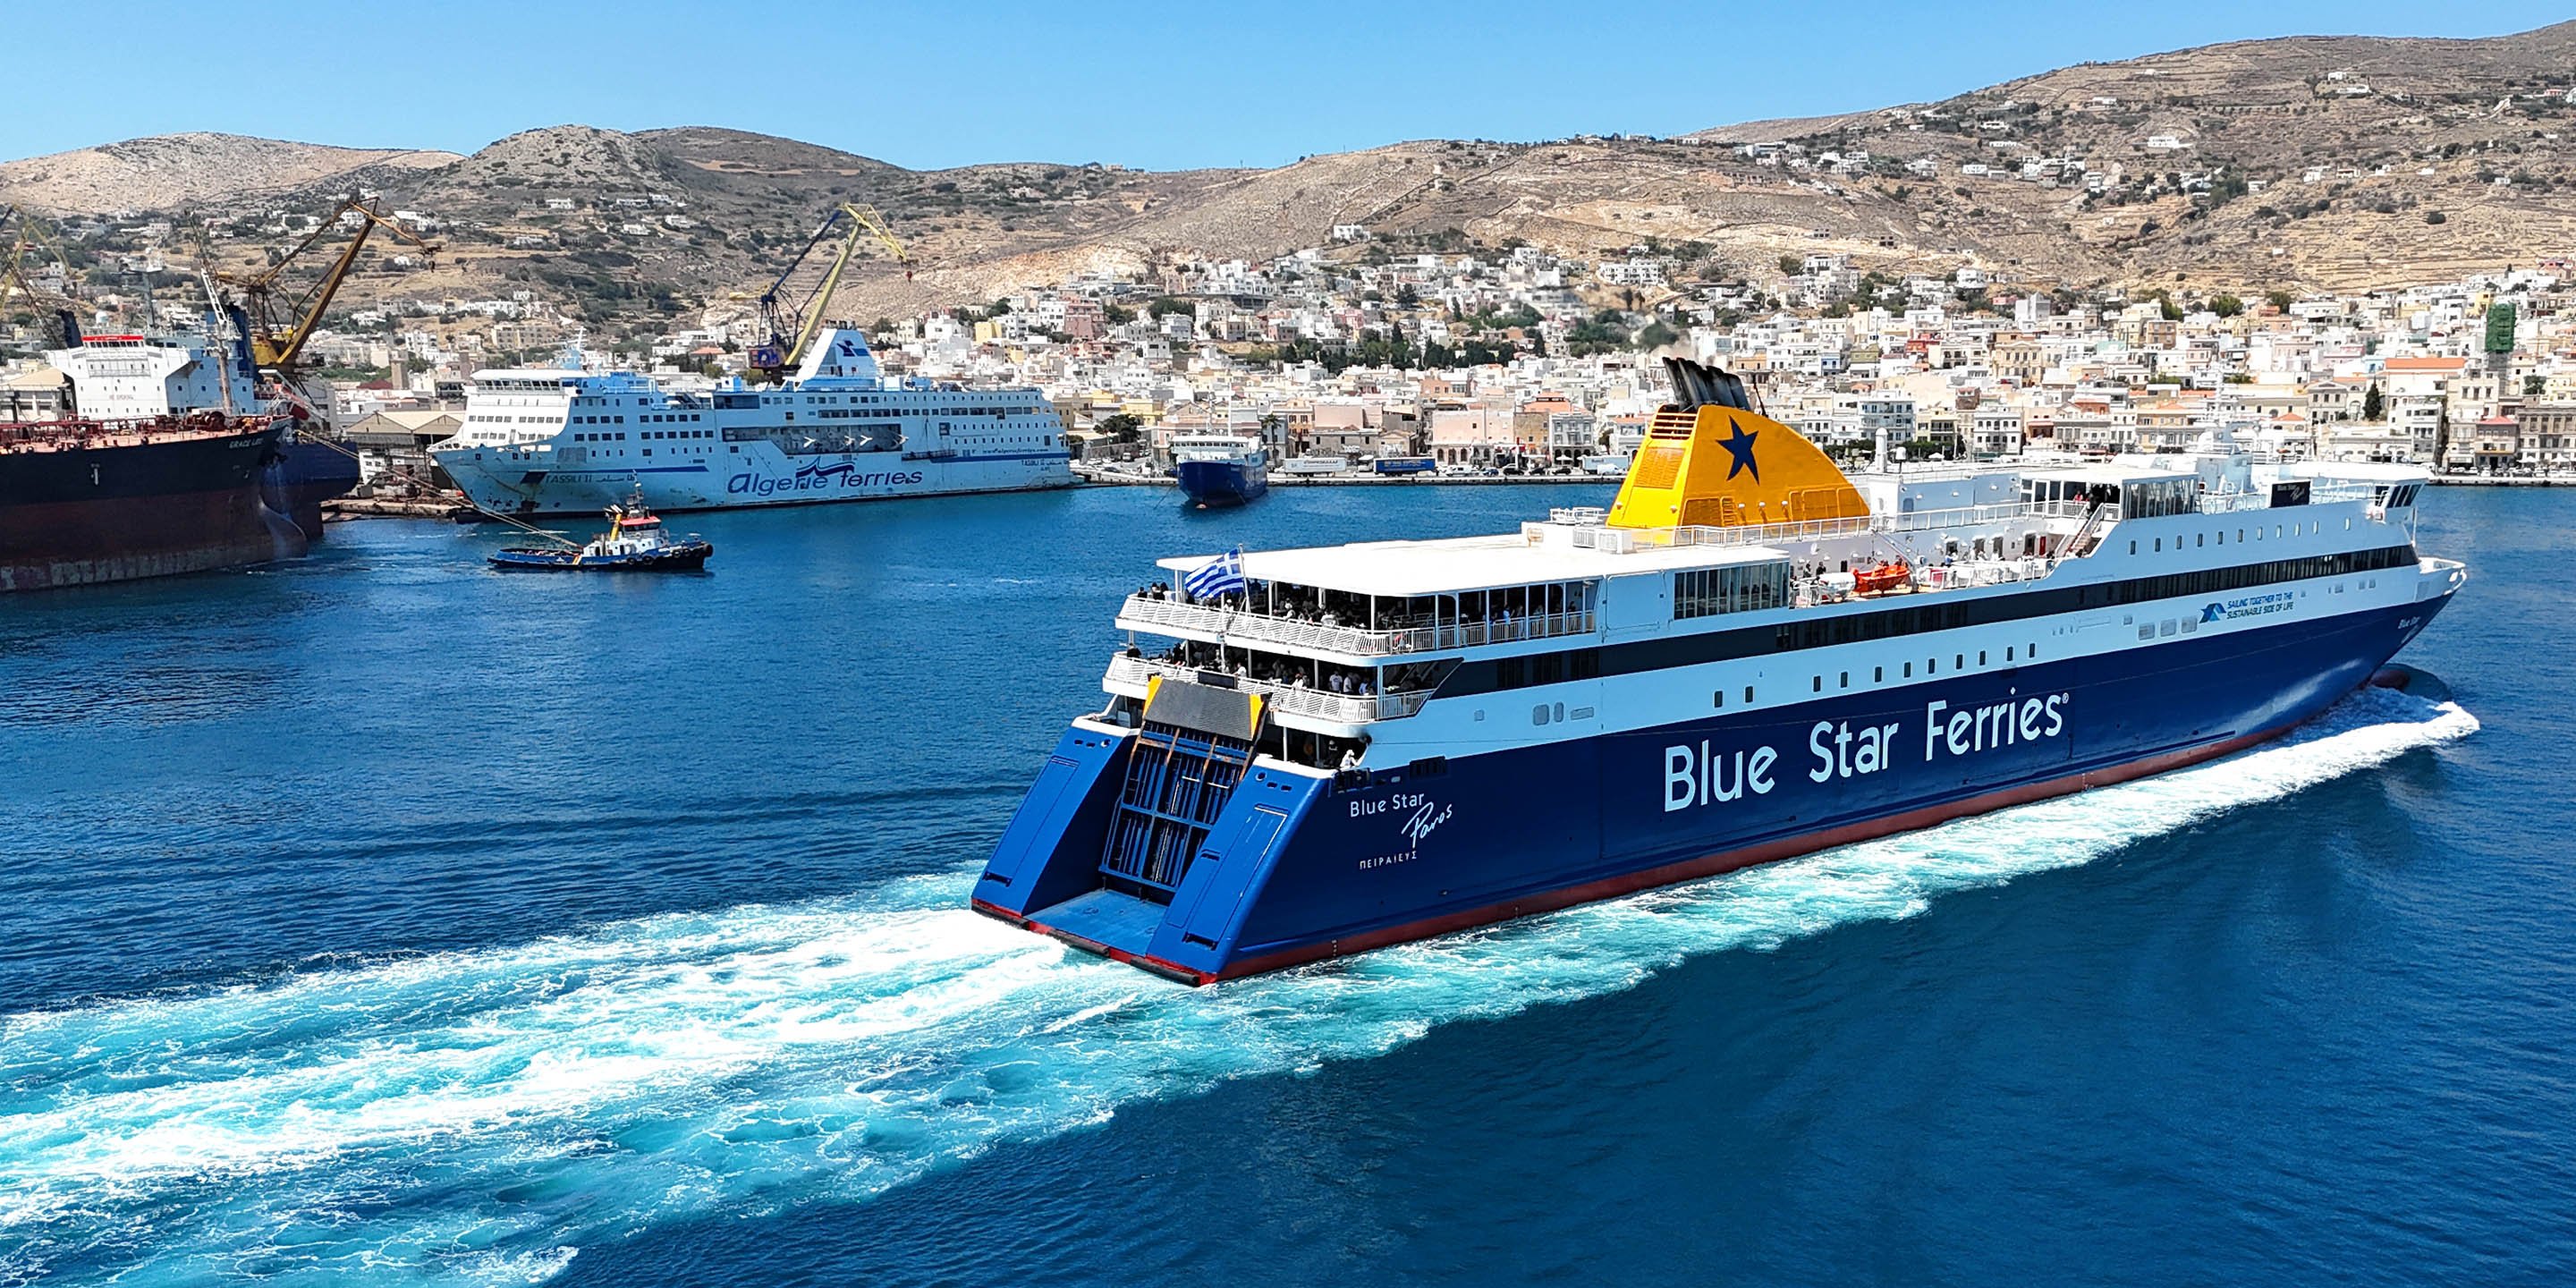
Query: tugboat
(635, 542)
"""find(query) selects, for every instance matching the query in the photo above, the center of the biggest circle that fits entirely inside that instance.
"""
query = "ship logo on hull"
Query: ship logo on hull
(1417, 816)
(839, 476)
(2249, 606)
(1709, 775)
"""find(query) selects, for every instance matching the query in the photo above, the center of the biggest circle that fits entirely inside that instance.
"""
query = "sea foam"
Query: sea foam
(475, 1117)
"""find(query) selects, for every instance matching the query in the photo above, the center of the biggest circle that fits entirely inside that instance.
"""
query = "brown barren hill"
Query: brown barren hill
(185, 169)
(2303, 162)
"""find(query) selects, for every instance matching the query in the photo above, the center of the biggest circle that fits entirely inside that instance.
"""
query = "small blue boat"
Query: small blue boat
(635, 542)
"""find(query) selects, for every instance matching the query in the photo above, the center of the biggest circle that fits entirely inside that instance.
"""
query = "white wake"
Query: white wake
(474, 1117)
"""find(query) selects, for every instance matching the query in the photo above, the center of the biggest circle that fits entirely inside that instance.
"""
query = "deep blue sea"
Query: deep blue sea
(378, 919)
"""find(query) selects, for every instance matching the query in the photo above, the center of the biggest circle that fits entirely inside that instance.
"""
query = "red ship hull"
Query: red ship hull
(115, 506)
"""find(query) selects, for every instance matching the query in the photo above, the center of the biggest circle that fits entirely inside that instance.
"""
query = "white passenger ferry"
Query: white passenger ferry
(543, 441)
(1306, 753)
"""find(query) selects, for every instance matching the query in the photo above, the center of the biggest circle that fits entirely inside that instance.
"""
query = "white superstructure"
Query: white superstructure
(544, 441)
(1219, 449)
(139, 377)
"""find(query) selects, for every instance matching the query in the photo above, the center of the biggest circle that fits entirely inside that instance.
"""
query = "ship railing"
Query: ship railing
(2320, 492)
(2234, 502)
(80, 432)
(1632, 540)
(1968, 574)
(1139, 612)
(1321, 704)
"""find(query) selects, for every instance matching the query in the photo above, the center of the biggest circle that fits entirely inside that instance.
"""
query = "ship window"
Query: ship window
(1845, 681)
(1877, 674)
(2147, 630)
(1909, 670)
(1720, 699)
(1820, 684)
(1960, 663)
(2133, 547)
(1931, 666)
(2008, 654)
(1981, 657)
(2199, 540)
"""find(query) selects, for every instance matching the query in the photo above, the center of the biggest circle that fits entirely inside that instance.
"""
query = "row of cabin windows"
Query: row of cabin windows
(2213, 580)
(2146, 499)
(1847, 628)
(655, 434)
(2202, 538)
(663, 418)
(1706, 592)
(1852, 628)
(2013, 654)
(1547, 668)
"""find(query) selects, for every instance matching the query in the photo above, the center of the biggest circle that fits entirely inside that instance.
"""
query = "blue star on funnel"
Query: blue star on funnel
(1740, 448)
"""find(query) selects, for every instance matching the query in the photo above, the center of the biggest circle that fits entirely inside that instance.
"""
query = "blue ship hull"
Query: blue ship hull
(1221, 482)
(1297, 867)
(303, 476)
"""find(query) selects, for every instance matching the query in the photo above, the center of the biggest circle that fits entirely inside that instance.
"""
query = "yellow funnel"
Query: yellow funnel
(1719, 467)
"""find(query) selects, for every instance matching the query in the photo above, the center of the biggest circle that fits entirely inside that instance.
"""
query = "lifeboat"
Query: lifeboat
(1884, 579)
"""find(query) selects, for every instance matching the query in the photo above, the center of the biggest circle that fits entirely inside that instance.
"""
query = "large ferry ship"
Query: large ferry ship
(162, 465)
(548, 441)
(1749, 656)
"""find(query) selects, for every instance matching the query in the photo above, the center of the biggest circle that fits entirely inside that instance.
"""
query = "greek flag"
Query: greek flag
(1220, 576)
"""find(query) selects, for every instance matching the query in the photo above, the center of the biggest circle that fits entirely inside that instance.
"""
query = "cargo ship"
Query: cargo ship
(542, 440)
(1749, 656)
(1220, 469)
(160, 467)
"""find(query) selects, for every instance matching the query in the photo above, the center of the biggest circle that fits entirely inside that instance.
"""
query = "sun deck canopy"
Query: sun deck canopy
(1399, 569)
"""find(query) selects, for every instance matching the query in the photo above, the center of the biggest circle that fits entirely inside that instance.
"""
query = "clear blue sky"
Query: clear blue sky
(1156, 85)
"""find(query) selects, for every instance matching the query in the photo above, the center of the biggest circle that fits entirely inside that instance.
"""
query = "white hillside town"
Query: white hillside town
(1522, 361)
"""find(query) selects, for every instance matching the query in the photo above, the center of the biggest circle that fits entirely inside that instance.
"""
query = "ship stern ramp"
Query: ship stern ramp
(1148, 845)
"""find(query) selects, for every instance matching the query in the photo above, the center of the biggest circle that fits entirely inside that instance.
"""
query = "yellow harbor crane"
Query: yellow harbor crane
(279, 325)
(792, 327)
